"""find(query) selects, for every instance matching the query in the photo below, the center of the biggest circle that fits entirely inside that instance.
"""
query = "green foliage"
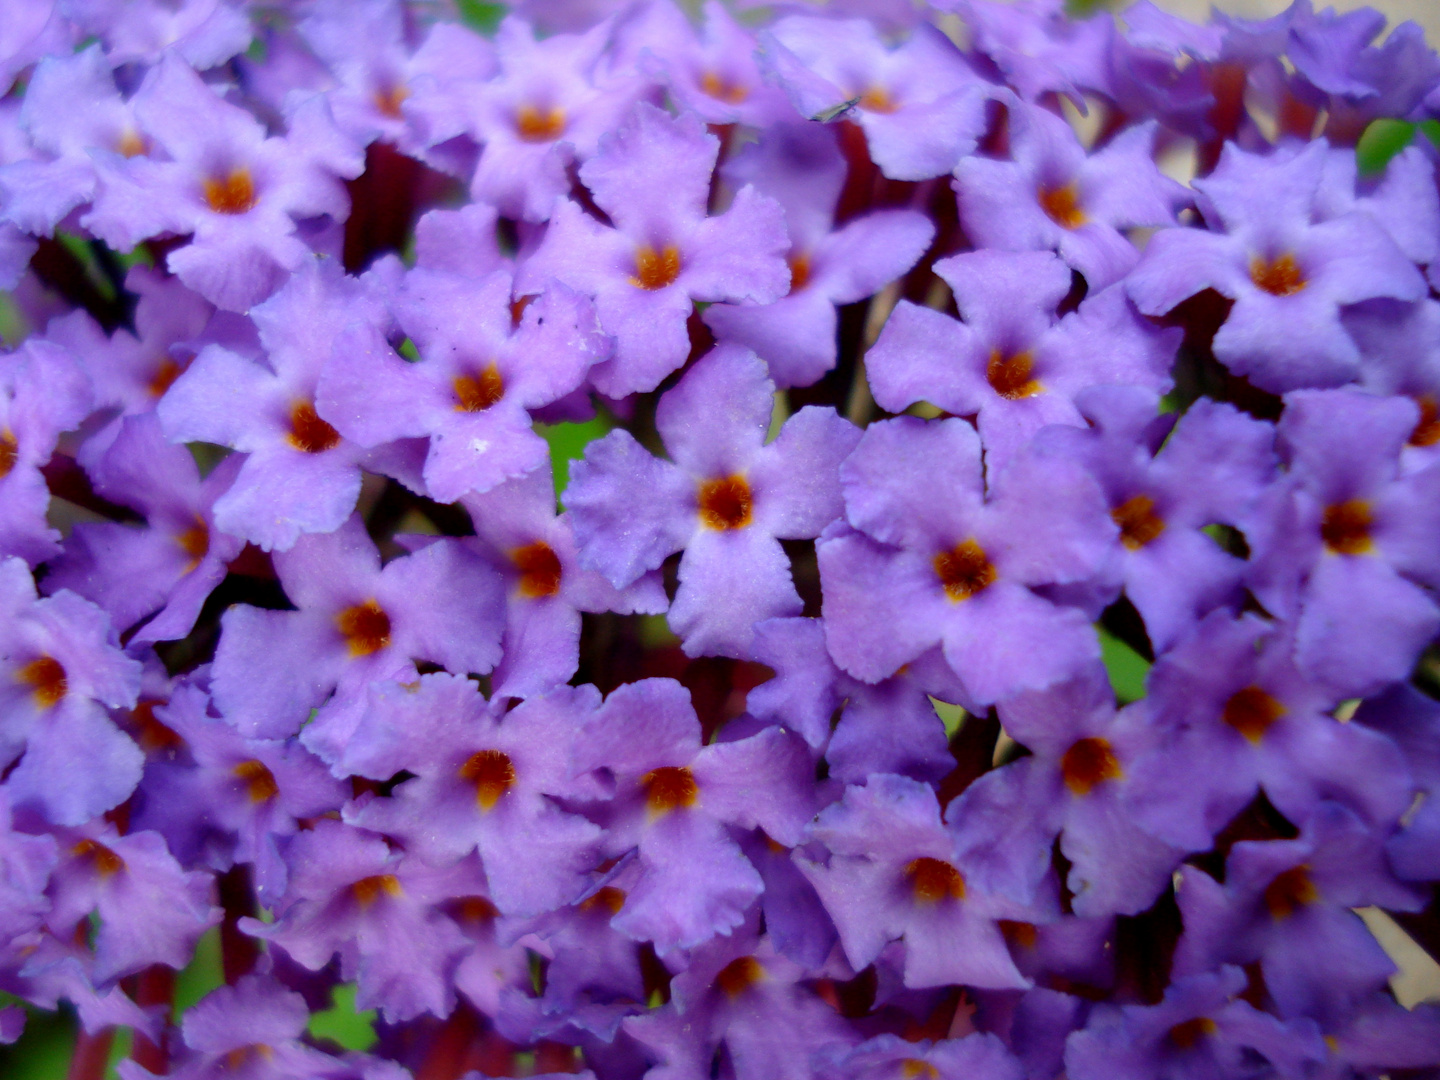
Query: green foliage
(203, 974)
(1126, 667)
(952, 716)
(568, 442)
(341, 1023)
(43, 1051)
(1382, 140)
(480, 16)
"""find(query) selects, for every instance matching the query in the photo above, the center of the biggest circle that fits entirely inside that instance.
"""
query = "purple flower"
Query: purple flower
(958, 571)
(479, 375)
(652, 177)
(151, 911)
(60, 664)
(1288, 275)
(546, 110)
(1012, 363)
(519, 534)
(491, 785)
(224, 181)
(672, 800)
(1074, 784)
(390, 89)
(1237, 716)
(1286, 904)
(1343, 544)
(231, 799)
(43, 392)
(357, 623)
(256, 1026)
(890, 726)
(800, 166)
(1053, 196)
(714, 73)
(727, 500)
(168, 568)
(920, 104)
(299, 476)
(889, 871)
(981, 1056)
(737, 991)
(1165, 481)
(351, 894)
(70, 107)
(204, 32)
(1200, 1029)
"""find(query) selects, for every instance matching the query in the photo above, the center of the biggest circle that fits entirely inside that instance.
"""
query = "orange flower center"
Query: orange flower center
(964, 570)
(106, 861)
(476, 393)
(725, 503)
(492, 773)
(1062, 206)
(539, 568)
(242, 1055)
(1289, 892)
(1087, 764)
(1009, 376)
(1345, 528)
(195, 542)
(308, 432)
(47, 680)
(1280, 276)
(9, 452)
(366, 628)
(389, 99)
(259, 781)
(477, 909)
(131, 144)
(150, 733)
(799, 272)
(1427, 430)
(539, 125)
(933, 880)
(1251, 712)
(1139, 524)
(722, 89)
(166, 372)
(609, 899)
(1190, 1032)
(232, 194)
(1023, 934)
(739, 975)
(915, 1069)
(368, 890)
(670, 787)
(656, 269)
(877, 100)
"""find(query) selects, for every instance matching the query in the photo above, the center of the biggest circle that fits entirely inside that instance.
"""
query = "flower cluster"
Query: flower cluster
(931, 364)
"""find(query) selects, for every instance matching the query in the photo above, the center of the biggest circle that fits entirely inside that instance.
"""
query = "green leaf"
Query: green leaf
(119, 1049)
(44, 1050)
(1126, 667)
(203, 974)
(568, 442)
(352, 1030)
(1382, 140)
(952, 716)
(480, 16)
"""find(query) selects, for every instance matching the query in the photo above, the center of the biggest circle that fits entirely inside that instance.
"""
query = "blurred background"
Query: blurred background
(1424, 12)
